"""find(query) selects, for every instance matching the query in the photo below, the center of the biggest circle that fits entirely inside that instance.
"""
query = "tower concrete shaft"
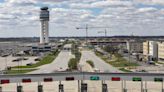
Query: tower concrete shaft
(44, 34)
(44, 18)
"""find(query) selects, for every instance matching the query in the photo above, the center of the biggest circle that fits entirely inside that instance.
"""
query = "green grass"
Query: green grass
(102, 56)
(46, 60)
(72, 64)
(19, 71)
(90, 63)
(124, 70)
(159, 62)
(121, 62)
(118, 62)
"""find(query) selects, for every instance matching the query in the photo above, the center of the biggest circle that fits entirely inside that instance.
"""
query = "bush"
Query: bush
(54, 52)
(72, 64)
(124, 70)
(90, 63)
(111, 49)
(78, 56)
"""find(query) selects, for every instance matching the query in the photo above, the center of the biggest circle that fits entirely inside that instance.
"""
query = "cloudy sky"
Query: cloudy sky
(20, 18)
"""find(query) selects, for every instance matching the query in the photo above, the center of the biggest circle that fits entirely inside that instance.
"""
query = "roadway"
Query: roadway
(113, 86)
(98, 62)
(71, 86)
(94, 86)
(59, 64)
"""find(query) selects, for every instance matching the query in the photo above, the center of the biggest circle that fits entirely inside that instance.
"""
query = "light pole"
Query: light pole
(6, 62)
(86, 36)
(5, 57)
(105, 32)
(129, 50)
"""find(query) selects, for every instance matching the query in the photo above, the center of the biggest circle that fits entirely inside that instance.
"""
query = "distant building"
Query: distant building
(67, 47)
(146, 50)
(44, 45)
(41, 48)
(109, 43)
(134, 46)
(153, 50)
(150, 50)
(161, 50)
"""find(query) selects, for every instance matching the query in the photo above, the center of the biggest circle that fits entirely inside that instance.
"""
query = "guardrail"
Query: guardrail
(80, 76)
(68, 76)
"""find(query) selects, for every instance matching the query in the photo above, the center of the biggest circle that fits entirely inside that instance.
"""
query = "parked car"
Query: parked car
(96, 70)
(29, 64)
(24, 58)
(15, 60)
(37, 59)
(151, 62)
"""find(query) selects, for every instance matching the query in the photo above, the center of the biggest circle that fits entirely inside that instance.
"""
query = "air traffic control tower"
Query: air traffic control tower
(44, 18)
(44, 45)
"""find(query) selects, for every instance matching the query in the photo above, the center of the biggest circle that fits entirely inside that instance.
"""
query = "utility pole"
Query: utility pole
(129, 50)
(86, 29)
(86, 38)
(105, 32)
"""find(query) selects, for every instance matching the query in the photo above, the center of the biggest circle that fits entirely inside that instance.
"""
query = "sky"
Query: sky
(20, 18)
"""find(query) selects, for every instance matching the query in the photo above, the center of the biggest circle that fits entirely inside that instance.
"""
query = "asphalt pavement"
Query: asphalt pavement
(59, 64)
(98, 62)
(72, 86)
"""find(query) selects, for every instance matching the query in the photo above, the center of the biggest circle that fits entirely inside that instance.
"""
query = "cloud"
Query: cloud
(52, 0)
(123, 16)
(150, 2)
(147, 9)
(9, 3)
(102, 4)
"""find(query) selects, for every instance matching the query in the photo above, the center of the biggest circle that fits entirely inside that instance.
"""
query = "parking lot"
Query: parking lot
(9, 61)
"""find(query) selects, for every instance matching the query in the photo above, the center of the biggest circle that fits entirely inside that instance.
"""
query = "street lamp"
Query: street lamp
(86, 29)
(5, 56)
(105, 32)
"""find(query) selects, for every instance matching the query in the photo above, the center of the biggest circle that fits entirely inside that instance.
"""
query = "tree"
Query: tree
(72, 64)
(90, 63)
(111, 49)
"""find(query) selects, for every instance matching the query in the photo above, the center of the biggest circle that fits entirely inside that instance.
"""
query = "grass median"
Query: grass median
(19, 71)
(119, 61)
(125, 70)
(90, 63)
(46, 60)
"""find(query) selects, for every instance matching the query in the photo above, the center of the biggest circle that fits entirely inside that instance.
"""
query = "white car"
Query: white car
(96, 70)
